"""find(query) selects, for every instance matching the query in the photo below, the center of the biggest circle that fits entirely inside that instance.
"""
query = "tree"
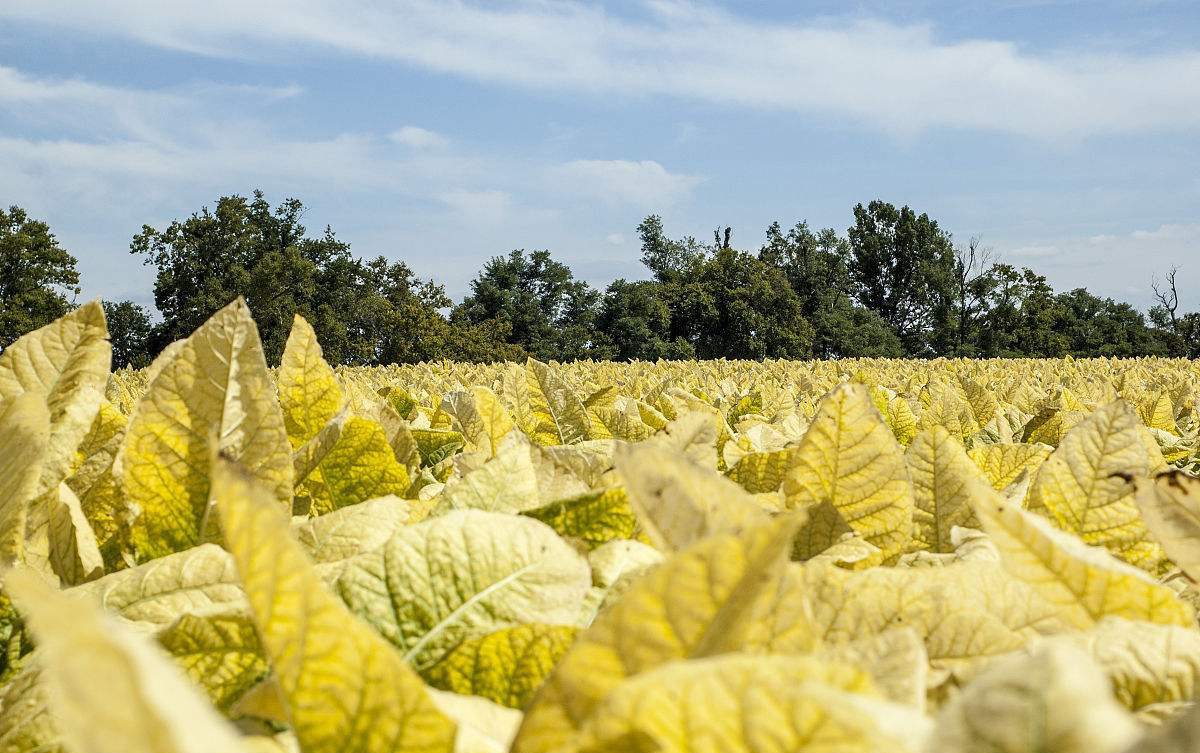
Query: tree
(723, 302)
(363, 312)
(816, 269)
(1181, 331)
(971, 283)
(38, 278)
(635, 323)
(130, 330)
(901, 267)
(546, 310)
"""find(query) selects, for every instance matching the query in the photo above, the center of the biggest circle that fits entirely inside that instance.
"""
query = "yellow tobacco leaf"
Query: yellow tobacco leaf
(436, 445)
(558, 414)
(109, 689)
(678, 502)
(481, 416)
(483, 726)
(742, 704)
(215, 396)
(1170, 507)
(352, 530)
(1146, 664)
(966, 614)
(346, 688)
(359, 466)
(468, 573)
(67, 363)
(507, 666)
(1085, 583)
(309, 392)
(95, 454)
(849, 473)
(507, 482)
(1083, 486)
(941, 476)
(1055, 700)
(595, 517)
(199, 579)
(895, 659)
(27, 723)
(73, 552)
(701, 602)
(220, 652)
(759, 472)
(1002, 463)
(25, 427)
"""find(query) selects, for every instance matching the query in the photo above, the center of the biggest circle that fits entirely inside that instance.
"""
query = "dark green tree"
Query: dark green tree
(130, 329)
(901, 266)
(538, 300)
(815, 265)
(364, 312)
(38, 278)
(635, 323)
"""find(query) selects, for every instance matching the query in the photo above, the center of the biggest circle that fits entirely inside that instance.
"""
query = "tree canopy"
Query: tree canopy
(893, 284)
(38, 277)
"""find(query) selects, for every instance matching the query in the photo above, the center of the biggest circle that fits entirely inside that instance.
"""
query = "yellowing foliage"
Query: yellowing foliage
(862, 555)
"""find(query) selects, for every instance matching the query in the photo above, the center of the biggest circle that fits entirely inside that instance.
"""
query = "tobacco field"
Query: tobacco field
(859, 555)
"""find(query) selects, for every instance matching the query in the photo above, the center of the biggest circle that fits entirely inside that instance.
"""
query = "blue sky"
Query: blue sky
(1065, 134)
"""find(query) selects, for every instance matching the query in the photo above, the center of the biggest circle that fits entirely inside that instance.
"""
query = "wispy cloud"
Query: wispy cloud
(418, 138)
(643, 184)
(900, 78)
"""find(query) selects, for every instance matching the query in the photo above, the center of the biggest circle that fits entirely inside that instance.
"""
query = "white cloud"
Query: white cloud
(418, 138)
(488, 206)
(615, 239)
(645, 184)
(1034, 252)
(1120, 265)
(900, 78)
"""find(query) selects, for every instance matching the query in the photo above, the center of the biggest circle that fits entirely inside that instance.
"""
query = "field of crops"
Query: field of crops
(870, 555)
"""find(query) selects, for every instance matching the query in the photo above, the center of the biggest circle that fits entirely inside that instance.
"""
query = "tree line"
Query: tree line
(895, 284)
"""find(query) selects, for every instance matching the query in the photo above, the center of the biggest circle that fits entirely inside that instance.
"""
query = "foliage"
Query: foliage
(853, 555)
(130, 330)
(38, 279)
(365, 312)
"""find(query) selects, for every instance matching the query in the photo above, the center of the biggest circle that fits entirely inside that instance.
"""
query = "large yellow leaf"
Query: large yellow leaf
(346, 688)
(557, 414)
(1170, 507)
(1085, 583)
(309, 392)
(352, 530)
(850, 474)
(67, 363)
(1083, 486)
(481, 417)
(360, 465)
(702, 602)
(678, 502)
(507, 666)
(1003, 463)
(109, 689)
(215, 396)
(200, 579)
(595, 517)
(941, 477)
(745, 704)
(1146, 664)
(25, 426)
(220, 652)
(1055, 700)
(440, 582)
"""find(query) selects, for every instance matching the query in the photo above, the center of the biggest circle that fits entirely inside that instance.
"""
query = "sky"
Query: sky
(1065, 135)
